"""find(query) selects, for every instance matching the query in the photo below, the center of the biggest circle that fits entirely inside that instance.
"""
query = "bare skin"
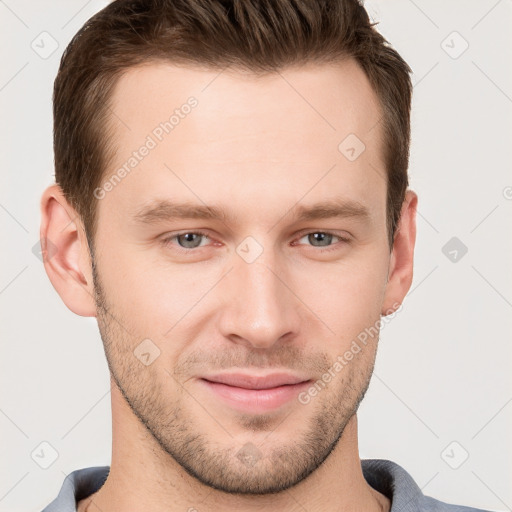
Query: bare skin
(259, 150)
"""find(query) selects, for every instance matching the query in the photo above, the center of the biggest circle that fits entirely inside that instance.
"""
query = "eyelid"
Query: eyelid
(342, 239)
(344, 235)
(166, 240)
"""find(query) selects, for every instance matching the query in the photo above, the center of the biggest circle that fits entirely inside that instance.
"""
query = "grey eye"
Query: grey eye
(187, 240)
(319, 239)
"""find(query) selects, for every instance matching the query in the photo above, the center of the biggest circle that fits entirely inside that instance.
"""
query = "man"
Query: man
(232, 205)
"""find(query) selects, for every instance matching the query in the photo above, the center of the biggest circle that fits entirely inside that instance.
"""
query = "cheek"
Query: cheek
(145, 298)
(347, 296)
(152, 295)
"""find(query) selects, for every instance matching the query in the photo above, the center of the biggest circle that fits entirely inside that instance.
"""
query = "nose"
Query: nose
(258, 307)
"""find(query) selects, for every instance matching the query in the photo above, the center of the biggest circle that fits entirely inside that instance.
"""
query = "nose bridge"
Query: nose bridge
(258, 307)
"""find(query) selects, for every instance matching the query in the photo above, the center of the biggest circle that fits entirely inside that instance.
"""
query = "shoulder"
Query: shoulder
(78, 485)
(392, 480)
(431, 504)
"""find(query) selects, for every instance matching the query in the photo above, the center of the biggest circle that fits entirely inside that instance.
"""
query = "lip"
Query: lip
(248, 381)
(253, 393)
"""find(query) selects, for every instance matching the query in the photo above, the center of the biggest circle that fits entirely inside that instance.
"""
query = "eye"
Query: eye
(189, 240)
(323, 239)
(186, 240)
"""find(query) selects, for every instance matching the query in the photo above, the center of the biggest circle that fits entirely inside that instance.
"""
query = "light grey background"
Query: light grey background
(441, 390)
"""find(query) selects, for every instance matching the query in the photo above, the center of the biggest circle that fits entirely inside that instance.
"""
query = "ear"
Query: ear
(400, 270)
(66, 253)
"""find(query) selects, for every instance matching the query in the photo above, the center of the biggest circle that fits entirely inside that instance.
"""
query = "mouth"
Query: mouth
(255, 394)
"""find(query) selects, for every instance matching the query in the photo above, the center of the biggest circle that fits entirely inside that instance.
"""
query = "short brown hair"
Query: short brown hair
(260, 36)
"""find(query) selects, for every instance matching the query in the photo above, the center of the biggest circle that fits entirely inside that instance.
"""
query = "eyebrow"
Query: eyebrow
(165, 210)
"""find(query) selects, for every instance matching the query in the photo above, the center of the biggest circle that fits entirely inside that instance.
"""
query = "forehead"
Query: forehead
(245, 135)
(332, 98)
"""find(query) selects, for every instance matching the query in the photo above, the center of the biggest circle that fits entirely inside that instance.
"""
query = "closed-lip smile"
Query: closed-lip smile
(255, 393)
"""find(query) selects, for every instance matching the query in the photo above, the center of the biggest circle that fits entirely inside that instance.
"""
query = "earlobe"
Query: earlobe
(66, 253)
(402, 257)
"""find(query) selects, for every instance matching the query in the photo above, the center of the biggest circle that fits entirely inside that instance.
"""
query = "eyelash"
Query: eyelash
(167, 241)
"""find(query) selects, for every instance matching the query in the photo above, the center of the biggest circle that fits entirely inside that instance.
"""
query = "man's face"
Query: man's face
(259, 291)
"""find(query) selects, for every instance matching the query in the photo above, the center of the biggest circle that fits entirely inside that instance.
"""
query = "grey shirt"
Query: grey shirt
(385, 476)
